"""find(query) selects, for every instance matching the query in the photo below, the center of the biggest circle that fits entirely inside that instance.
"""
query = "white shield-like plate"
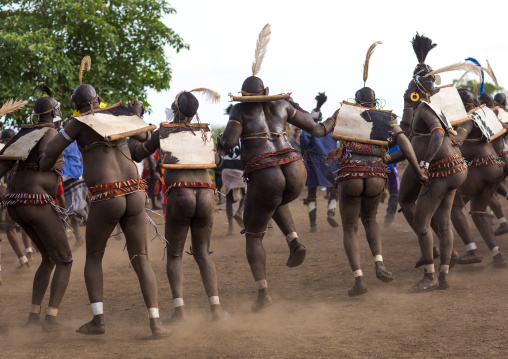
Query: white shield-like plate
(448, 106)
(183, 149)
(362, 124)
(487, 121)
(20, 148)
(502, 115)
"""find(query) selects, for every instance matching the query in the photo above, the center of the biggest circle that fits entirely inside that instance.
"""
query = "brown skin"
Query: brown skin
(359, 198)
(270, 190)
(436, 198)
(103, 164)
(186, 208)
(479, 188)
(44, 227)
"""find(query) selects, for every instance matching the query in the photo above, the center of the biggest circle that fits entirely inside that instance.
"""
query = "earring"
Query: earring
(415, 97)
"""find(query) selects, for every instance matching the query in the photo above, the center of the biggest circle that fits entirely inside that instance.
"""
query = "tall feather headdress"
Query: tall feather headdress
(475, 88)
(210, 95)
(44, 88)
(86, 61)
(320, 99)
(422, 46)
(11, 106)
(259, 54)
(370, 51)
(460, 66)
(491, 74)
(482, 89)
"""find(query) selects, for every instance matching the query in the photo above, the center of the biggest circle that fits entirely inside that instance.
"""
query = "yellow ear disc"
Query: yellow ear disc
(415, 97)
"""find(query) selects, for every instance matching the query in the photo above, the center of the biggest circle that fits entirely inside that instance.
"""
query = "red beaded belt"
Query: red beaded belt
(447, 166)
(501, 154)
(189, 184)
(254, 166)
(356, 169)
(486, 161)
(106, 191)
(26, 199)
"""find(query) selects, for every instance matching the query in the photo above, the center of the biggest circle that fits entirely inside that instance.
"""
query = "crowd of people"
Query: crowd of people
(353, 154)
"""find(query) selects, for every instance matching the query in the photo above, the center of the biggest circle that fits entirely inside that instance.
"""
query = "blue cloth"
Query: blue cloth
(390, 151)
(314, 151)
(72, 166)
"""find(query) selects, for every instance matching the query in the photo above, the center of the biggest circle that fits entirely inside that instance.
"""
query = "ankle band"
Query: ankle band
(311, 206)
(471, 246)
(51, 311)
(262, 284)
(214, 300)
(358, 273)
(378, 258)
(178, 302)
(23, 260)
(291, 236)
(36, 309)
(29, 250)
(153, 313)
(444, 268)
(332, 205)
(429, 268)
(495, 251)
(98, 308)
(501, 220)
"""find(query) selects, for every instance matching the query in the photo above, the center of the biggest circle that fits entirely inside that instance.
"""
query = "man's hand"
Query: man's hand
(423, 177)
(136, 108)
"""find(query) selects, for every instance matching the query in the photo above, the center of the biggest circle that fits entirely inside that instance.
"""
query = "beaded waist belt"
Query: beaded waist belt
(353, 169)
(501, 154)
(189, 184)
(447, 166)
(253, 164)
(486, 161)
(26, 199)
(106, 191)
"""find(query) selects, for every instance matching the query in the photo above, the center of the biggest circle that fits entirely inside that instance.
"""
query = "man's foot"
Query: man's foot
(387, 223)
(425, 285)
(29, 256)
(470, 257)
(231, 232)
(51, 325)
(22, 267)
(262, 301)
(420, 260)
(34, 319)
(239, 219)
(359, 288)
(454, 258)
(297, 253)
(382, 274)
(218, 314)
(313, 228)
(443, 281)
(330, 218)
(502, 229)
(91, 328)
(499, 261)
(158, 330)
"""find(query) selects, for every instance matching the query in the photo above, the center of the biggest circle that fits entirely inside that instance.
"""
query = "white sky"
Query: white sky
(321, 45)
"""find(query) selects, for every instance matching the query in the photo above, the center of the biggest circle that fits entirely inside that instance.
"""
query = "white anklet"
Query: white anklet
(214, 300)
(444, 268)
(51, 311)
(178, 302)
(429, 268)
(495, 251)
(97, 308)
(378, 258)
(358, 273)
(471, 246)
(36, 309)
(262, 284)
(153, 313)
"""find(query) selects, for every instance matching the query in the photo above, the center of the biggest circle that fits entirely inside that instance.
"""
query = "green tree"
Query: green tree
(216, 131)
(43, 41)
(489, 88)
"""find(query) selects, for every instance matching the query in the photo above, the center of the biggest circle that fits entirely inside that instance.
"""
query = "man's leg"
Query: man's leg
(229, 212)
(312, 207)
(15, 242)
(333, 198)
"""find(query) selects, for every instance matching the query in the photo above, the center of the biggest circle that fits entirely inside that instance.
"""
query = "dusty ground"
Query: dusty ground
(312, 315)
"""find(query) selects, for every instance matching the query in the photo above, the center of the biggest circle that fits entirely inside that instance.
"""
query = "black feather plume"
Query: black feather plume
(321, 99)
(422, 46)
(43, 88)
(228, 110)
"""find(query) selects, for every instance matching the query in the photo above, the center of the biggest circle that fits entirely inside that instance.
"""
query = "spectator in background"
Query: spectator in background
(295, 141)
(393, 188)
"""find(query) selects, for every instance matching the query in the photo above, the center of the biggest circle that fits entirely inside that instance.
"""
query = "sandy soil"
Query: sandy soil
(312, 315)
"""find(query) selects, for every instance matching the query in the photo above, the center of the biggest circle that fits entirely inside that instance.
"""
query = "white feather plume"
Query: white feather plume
(259, 54)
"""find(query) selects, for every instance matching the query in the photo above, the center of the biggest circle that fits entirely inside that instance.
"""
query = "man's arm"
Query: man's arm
(437, 134)
(406, 149)
(407, 118)
(463, 131)
(232, 133)
(302, 119)
(55, 147)
(142, 150)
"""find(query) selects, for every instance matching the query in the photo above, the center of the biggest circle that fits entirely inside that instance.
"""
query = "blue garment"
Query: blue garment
(314, 151)
(72, 166)
(390, 151)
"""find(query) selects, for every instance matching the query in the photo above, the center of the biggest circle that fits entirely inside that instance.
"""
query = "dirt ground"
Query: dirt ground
(312, 315)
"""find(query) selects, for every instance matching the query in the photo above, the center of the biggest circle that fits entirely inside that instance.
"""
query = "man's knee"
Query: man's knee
(61, 259)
